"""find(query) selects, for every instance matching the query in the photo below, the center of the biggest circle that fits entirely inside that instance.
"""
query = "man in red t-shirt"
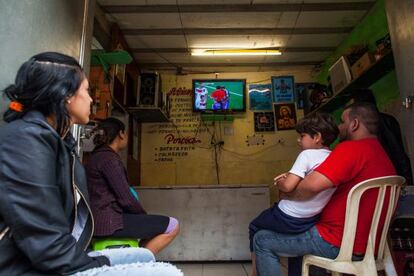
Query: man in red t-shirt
(359, 157)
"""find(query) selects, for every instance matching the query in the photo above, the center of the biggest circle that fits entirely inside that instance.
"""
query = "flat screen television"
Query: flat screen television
(219, 95)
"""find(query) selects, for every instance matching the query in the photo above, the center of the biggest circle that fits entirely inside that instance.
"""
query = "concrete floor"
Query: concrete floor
(220, 269)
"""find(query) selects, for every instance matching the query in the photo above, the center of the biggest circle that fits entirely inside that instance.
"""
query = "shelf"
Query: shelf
(148, 114)
(373, 74)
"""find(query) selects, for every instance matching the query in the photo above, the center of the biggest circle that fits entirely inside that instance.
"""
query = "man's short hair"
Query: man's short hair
(323, 123)
(367, 113)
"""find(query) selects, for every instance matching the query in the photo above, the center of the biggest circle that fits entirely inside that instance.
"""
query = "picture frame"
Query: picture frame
(317, 95)
(120, 72)
(264, 122)
(302, 95)
(285, 116)
(283, 89)
(260, 96)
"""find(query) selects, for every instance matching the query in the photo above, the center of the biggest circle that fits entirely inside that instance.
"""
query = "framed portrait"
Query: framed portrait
(283, 89)
(285, 115)
(264, 122)
(302, 95)
(120, 72)
(260, 96)
(317, 95)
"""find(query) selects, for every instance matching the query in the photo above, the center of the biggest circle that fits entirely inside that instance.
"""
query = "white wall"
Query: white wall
(238, 162)
(401, 25)
(28, 27)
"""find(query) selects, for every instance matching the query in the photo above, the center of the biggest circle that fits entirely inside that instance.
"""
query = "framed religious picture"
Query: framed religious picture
(283, 89)
(120, 72)
(260, 96)
(285, 115)
(264, 122)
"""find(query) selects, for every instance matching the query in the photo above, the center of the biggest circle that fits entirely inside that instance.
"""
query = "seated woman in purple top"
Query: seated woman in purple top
(116, 211)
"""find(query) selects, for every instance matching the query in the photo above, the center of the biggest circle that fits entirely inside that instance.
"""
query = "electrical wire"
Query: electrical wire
(214, 142)
(217, 165)
(182, 25)
(242, 156)
(294, 26)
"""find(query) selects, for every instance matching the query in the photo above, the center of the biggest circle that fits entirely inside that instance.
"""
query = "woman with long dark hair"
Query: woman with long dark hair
(117, 212)
(45, 219)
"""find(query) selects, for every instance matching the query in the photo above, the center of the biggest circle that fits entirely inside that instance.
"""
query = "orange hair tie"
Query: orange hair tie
(16, 106)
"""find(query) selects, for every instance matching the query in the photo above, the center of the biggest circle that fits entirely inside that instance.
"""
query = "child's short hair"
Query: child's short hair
(319, 122)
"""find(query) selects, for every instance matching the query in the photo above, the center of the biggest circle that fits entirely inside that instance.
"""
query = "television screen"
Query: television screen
(219, 95)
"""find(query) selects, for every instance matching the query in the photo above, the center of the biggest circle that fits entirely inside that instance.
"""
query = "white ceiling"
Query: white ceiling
(162, 33)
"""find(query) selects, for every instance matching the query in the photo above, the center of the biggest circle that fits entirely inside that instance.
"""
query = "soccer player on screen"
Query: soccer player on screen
(201, 96)
(220, 98)
(226, 100)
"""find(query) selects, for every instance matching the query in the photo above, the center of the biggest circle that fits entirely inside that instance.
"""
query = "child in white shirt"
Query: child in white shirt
(317, 132)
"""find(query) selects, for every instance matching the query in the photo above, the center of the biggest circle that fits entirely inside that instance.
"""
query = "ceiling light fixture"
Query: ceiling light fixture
(237, 52)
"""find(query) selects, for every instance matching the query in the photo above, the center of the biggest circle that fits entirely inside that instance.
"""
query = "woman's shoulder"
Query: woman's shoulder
(104, 151)
(30, 145)
(22, 128)
(104, 155)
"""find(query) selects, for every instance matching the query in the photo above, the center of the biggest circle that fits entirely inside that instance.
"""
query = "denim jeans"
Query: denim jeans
(274, 219)
(269, 245)
(130, 261)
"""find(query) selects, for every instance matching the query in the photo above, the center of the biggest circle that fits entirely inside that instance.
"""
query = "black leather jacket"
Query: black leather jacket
(37, 201)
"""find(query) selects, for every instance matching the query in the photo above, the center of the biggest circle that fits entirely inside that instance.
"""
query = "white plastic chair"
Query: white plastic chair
(369, 265)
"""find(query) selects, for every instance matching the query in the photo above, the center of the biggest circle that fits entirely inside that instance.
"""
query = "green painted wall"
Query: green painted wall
(373, 27)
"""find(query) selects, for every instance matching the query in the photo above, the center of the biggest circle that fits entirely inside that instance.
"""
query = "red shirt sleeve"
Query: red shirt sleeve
(340, 166)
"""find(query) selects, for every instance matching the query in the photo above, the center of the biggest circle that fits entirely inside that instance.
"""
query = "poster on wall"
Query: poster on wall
(283, 89)
(302, 95)
(285, 115)
(311, 96)
(260, 96)
(264, 122)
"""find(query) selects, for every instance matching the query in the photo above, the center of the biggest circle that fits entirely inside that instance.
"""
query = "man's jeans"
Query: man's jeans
(268, 246)
(130, 261)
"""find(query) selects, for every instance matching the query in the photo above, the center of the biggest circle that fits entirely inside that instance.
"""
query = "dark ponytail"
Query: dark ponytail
(11, 93)
(107, 130)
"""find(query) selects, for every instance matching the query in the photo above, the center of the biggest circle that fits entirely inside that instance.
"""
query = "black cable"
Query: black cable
(182, 25)
(294, 26)
(213, 142)
(217, 165)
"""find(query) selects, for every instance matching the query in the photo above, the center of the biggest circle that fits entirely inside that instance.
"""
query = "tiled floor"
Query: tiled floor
(220, 269)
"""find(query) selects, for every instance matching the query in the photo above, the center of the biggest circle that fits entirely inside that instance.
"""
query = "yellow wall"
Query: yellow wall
(238, 163)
